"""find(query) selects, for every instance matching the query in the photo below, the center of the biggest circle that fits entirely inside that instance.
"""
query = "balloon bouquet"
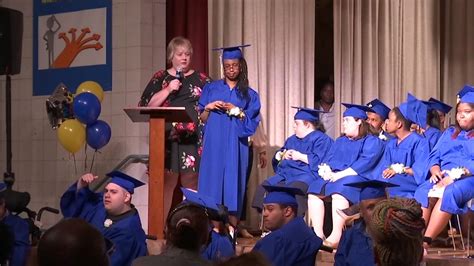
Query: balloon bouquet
(69, 119)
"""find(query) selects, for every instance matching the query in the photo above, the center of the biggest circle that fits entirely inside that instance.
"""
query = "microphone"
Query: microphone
(179, 74)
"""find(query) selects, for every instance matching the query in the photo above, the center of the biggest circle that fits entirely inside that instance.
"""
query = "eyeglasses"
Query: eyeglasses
(231, 66)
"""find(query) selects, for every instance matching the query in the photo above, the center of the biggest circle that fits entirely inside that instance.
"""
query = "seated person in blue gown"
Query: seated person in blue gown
(433, 125)
(404, 158)
(376, 117)
(396, 230)
(186, 233)
(351, 158)
(296, 163)
(111, 212)
(291, 241)
(442, 109)
(451, 168)
(19, 230)
(355, 247)
(219, 247)
(230, 110)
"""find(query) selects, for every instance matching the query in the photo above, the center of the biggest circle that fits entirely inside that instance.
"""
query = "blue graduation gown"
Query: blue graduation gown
(293, 244)
(451, 153)
(412, 152)
(224, 160)
(316, 145)
(432, 135)
(355, 247)
(126, 233)
(361, 155)
(220, 248)
(21, 236)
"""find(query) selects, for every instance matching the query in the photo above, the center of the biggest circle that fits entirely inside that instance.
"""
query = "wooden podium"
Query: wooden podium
(157, 117)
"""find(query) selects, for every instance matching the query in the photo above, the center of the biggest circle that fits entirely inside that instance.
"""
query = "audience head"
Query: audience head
(179, 53)
(279, 206)
(72, 242)
(187, 227)
(397, 232)
(253, 258)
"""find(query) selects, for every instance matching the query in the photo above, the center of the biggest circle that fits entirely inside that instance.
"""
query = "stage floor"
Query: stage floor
(436, 256)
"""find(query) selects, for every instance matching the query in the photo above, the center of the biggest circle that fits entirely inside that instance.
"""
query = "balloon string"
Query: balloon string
(75, 166)
(93, 159)
(85, 159)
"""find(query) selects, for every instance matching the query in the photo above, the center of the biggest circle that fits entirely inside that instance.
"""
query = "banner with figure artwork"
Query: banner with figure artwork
(72, 43)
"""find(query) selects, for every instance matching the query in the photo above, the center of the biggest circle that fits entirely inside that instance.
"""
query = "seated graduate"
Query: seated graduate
(296, 163)
(291, 241)
(442, 109)
(433, 125)
(355, 247)
(73, 242)
(351, 158)
(19, 230)
(396, 230)
(404, 158)
(451, 168)
(376, 117)
(111, 212)
(186, 233)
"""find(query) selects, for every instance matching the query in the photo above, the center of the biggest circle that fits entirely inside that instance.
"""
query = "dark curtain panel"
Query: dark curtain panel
(188, 18)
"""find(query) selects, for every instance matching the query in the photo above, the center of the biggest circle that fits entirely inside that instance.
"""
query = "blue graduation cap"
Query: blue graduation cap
(307, 114)
(281, 194)
(467, 98)
(414, 110)
(356, 110)
(125, 181)
(231, 52)
(464, 90)
(439, 105)
(371, 189)
(200, 199)
(378, 107)
(3, 186)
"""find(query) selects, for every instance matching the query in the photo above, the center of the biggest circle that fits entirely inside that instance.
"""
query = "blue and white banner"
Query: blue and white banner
(72, 43)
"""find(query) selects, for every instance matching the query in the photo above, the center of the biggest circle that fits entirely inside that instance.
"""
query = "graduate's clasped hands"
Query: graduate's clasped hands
(220, 105)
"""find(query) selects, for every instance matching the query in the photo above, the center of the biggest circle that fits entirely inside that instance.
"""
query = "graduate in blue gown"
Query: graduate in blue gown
(111, 212)
(355, 247)
(351, 158)
(230, 110)
(442, 109)
(296, 163)
(220, 247)
(19, 229)
(291, 241)
(376, 117)
(450, 168)
(404, 158)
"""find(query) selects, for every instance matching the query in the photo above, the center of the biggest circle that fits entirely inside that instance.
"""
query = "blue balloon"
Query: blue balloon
(86, 107)
(98, 134)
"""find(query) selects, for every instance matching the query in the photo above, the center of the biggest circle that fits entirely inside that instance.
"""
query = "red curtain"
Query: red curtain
(188, 18)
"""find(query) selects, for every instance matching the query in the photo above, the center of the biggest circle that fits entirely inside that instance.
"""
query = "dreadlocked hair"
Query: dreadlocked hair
(243, 81)
(397, 231)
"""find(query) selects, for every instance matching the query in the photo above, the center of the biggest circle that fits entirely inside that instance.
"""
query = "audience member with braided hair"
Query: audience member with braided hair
(397, 232)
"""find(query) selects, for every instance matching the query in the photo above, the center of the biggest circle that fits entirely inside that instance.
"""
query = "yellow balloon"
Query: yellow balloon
(72, 135)
(92, 87)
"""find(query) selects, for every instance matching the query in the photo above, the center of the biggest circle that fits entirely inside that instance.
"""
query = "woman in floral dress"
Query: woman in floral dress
(179, 86)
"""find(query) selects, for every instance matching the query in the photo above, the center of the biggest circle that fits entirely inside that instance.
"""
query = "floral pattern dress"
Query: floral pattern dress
(184, 140)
